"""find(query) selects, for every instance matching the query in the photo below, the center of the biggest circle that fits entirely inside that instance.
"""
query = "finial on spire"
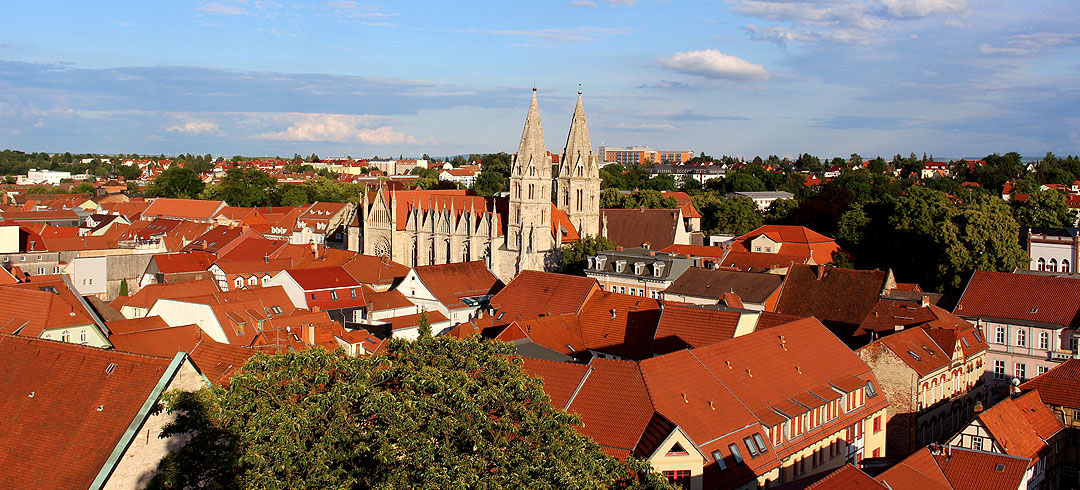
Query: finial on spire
(579, 88)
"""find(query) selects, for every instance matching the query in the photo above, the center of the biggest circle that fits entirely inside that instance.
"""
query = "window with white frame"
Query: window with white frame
(252, 281)
(266, 279)
(1065, 265)
(1041, 369)
(999, 336)
(1042, 264)
(1019, 370)
(999, 369)
(239, 282)
(1044, 340)
(65, 336)
(1021, 337)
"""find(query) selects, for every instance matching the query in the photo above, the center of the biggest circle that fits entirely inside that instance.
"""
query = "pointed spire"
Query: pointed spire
(532, 148)
(578, 147)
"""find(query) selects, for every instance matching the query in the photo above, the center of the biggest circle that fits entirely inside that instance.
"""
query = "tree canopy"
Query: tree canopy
(575, 256)
(178, 182)
(1047, 208)
(434, 413)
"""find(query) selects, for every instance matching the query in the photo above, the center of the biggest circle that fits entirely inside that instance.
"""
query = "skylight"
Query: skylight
(913, 354)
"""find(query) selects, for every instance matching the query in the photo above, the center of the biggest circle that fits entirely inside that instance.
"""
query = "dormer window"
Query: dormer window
(620, 266)
(639, 267)
(600, 259)
(658, 269)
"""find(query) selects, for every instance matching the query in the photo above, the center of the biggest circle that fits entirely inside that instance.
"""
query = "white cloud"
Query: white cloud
(912, 9)
(583, 3)
(337, 128)
(1030, 44)
(194, 127)
(357, 10)
(223, 9)
(711, 63)
(783, 35)
(628, 3)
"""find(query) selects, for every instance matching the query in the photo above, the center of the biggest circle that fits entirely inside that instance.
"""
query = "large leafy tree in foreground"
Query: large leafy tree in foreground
(435, 413)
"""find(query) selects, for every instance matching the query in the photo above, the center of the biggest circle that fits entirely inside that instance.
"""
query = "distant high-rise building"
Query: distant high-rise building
(643, 154)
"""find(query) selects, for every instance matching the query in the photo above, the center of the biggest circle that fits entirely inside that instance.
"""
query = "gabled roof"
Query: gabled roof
(369, 269)
(753, 261)
(847, 477)
(1026, 298)
(451, 283)
(1059, 386)
(692, 326)
(149, 294)
(636, 227)
(831, 294)
(532, 294)
(956, 468)
(796, 240)
(619, 324)
(751, 287)
(1021, 426)
(53, 393)
(176, 263)
(322, 278)
(61, 307)
(918, 350)
(560, 333)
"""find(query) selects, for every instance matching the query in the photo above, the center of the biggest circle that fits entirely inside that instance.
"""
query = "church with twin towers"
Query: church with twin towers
(523, 231)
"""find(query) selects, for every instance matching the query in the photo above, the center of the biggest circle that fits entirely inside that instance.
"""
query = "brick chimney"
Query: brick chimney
(309, 334)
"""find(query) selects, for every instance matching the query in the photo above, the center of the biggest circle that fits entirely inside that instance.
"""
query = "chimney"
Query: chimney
(924, 301)
(309, 334)
(617, 249)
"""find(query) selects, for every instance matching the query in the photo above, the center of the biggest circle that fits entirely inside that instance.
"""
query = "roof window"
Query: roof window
(913, 354)
(735, 453)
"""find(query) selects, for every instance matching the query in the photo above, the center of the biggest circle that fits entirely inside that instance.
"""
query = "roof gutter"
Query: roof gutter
(136, 424)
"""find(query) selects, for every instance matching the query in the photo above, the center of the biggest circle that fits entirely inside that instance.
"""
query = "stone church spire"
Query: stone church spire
(530, 186)
(579, 176)
(532, 150)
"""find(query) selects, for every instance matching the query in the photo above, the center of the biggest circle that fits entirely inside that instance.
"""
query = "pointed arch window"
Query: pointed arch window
(580, 171)
(1065, 265)
(532, 189)
(1042, 264)
(1052, 267)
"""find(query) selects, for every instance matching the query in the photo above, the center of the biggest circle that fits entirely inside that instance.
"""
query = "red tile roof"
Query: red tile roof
(149, 294)
(369, 269)
(560, 333)
(532, 294)
(1059, 386)
(752, 287)
(53, 393)
(795, 240)
(702, 251)
(176, 263)
(320, 278)
(691, 326)
(183, 208)
(847, 477)
(770, 319)
(1029, 298)
(753, 261)
(450, 283)
(838, 296)
(132, 325)
(619, 324)
(562, 228)
(1022, 425)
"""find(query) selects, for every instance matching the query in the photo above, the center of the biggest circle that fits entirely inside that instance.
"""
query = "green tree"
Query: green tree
(575, 256)
(176, 182)
(246, 187)
(291, 195)
(611, 198)
(1046, 208)
(433, 413)
(778, 211)
(123, 287)
(425, 325)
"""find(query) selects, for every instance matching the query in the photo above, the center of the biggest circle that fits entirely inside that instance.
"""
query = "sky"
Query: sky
(950, 78)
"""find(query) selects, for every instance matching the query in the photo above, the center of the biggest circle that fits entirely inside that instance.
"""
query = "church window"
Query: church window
(448, 256)
(465, 255)
(580, 198)
(532, 171)
(431, 252)
(566, 198)
(517, 188)
(531, 189)
(580, 171)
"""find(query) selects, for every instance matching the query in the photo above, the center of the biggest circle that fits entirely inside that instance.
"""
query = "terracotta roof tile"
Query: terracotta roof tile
(53, 393)
(839, 296)
(532, 294)
(635, 227)
(1021, 425)
(1059, 386)
(1030, 298)
(451, 283)
(619, 324)
(149, 294)
(691, 326)
(184, 208)
(369, 269)
(847, 477)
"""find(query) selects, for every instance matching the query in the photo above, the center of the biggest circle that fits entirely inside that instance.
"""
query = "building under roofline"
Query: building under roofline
(636, 271)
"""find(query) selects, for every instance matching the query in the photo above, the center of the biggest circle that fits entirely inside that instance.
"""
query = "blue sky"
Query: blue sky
(735, 77)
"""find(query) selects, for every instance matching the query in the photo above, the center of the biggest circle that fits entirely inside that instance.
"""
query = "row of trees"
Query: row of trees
(435, 413)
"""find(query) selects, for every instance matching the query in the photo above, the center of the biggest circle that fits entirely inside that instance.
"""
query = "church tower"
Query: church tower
(528, 230)
(579, 177)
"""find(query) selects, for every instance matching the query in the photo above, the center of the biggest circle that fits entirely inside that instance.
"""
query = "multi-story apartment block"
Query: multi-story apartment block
(639, 155)
(1029, 320)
